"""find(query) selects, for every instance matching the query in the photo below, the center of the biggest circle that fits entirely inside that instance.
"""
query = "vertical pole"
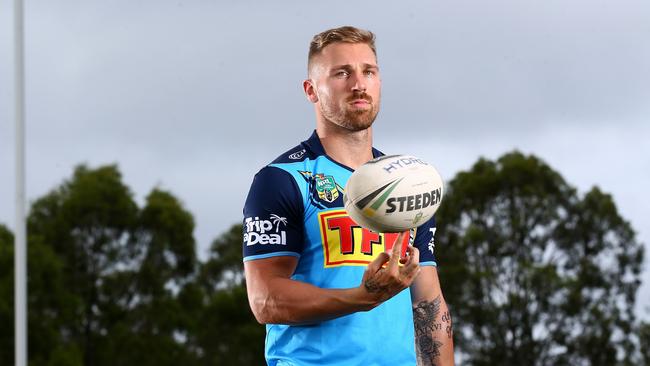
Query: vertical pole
(20, 248)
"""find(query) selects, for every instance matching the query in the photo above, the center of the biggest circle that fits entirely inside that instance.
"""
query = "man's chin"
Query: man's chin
(360, 122)
(356, 127)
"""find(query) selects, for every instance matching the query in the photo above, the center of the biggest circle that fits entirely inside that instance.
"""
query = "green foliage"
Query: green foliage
(229, 334)
(644, 340)
(227, 311)
(110, 283)
(224, 267)
(534, 274)
(86, 225)
(165, 233)
(6, 296)
(46, 301)
(103, 274)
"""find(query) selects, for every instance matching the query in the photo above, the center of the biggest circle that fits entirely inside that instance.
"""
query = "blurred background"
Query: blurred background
(146, 121)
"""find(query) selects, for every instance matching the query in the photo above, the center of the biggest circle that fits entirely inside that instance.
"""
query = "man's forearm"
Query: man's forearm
(286, 301)
(433, 333)
(277, 299)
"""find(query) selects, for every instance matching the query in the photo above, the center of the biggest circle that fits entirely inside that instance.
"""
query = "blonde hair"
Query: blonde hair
(346, 34)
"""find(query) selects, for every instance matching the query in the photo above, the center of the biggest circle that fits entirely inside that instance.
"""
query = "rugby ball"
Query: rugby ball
(393, 193)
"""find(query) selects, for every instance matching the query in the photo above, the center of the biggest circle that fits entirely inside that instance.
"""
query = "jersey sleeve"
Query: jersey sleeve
(425, 242)
(273, 216)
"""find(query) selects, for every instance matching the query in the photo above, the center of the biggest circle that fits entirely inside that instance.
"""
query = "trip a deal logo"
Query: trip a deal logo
(345, 243)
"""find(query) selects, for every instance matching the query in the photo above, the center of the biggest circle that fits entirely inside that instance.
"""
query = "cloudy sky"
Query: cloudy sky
(196, 96)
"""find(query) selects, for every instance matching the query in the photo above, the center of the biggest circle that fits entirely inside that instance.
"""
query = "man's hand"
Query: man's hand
(382, 283)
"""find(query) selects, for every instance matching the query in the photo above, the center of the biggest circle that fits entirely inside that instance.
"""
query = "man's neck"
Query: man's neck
(350, 148)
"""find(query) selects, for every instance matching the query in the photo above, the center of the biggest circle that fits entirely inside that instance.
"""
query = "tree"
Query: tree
(118, 270)
(46, 297)
(226, 331)
(535, 274)
(224, 267)
(148, 322)
(644, 337)
(86, 223)
(110, 283)
(6, 296)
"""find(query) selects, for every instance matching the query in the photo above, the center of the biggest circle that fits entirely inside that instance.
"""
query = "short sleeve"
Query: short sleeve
(273, 216)
(425, 242)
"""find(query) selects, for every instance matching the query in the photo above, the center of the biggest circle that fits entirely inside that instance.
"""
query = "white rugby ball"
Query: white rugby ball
(393, 193)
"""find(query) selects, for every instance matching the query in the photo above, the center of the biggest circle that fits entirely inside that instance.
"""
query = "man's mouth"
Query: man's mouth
(360, 102)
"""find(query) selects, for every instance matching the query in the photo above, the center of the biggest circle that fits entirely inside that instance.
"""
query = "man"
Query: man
(330, 292)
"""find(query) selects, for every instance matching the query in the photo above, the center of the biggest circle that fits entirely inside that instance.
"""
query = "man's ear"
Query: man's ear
(310, 90)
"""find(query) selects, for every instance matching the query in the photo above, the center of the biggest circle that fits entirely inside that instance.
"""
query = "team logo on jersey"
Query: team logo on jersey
(345, 243)
(263, 232)
(323, 189)
(326, 187)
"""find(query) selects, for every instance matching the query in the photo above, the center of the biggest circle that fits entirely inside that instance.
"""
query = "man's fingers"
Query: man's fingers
(396, 252)
(413, 262)
(414, 258)
(408, 269)
(416, 255)
(409, 255)
(413, 255)
(377, 263)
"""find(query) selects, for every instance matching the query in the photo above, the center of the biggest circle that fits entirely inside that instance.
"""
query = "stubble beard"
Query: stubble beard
(348, 118)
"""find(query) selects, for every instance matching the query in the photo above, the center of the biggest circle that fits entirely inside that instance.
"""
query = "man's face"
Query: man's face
(346, 85)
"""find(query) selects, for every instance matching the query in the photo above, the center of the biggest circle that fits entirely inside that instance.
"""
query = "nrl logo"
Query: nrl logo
(323, 185)
(326, 187)
(323, 188)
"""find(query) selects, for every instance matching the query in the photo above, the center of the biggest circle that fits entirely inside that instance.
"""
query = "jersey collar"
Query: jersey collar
(316, 147)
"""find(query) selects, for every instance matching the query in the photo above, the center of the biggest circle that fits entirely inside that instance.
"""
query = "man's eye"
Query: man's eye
(342, 74)
(370, 73)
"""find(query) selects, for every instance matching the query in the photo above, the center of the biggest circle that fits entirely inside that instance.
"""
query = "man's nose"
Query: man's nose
(359, 82)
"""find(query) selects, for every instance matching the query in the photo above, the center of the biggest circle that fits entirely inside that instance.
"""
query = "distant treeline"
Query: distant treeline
(534, 274)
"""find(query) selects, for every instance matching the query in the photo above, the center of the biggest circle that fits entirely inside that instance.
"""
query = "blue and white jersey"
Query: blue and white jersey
(295, 208)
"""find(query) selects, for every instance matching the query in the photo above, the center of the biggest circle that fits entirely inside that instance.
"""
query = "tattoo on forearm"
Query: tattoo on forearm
(373, 286)
(425, 314)
(446, 318)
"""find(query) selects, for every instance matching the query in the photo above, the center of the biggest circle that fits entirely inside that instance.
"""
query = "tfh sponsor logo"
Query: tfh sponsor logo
(345, 243)
(264, 232)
